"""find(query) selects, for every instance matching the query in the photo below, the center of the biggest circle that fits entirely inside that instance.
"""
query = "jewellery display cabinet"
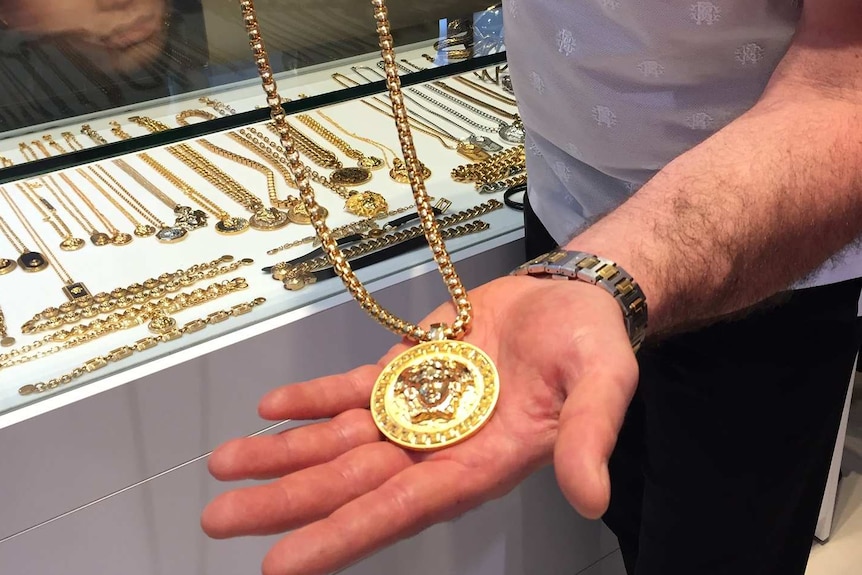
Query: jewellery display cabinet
(143, 194)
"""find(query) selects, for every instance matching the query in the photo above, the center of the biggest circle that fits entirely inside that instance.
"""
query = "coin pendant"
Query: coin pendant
(366, 204)
(170, 235)
(32, 262)
(400, 175)
(350, 176)
(144, 231)
(189, 218)
(72, 244)
(7, 266)
(7, 341)
(100, 239)
(268, 219)
(435, 394)
(370, 163)
(121, 239)
(231, 226)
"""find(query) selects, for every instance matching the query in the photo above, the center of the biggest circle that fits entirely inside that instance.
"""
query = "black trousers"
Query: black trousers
(722, 460)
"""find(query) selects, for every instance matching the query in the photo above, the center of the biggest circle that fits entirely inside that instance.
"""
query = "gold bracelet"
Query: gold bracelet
(144, 344)
(156, 314)
(71, 312)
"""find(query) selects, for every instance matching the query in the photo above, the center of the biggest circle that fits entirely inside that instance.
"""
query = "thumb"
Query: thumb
(589, 423)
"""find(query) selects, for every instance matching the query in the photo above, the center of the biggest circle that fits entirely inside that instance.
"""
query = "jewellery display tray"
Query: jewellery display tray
(107, 473)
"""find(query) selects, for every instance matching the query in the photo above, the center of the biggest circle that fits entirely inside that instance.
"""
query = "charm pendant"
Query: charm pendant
(100, 239)
(171, 235)
(513, 133)
(268, 219)
(435, 394)
(350, 176)
(121, 239)
(7, 266)
(144, 231)
(231, 225)
(32, 262)
(472, 152)
(366, 204)
(370, 163)
(189, 218)
(485, 143)
(71, 244)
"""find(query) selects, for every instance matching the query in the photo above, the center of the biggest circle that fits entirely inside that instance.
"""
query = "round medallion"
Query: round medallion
(366, 204)
(350, 176)
(435, 394)
(100, 239)
(170, 235)
(370, 163)
(143, 231)
(7, 266)
(399, 172)
(268, 219)
(162, 324)
(32, 262)
(7, 341)
(512, 133)
(121, 239)
(231, 226)
(72, 244)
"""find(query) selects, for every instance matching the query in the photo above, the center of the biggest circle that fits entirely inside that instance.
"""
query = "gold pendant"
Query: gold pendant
(350, 176)
(435, 394)
(472, 152)
(100, 239)
(121, 239)
(7, 266)
(32, 262)
(171, 234)
(231, 225)
(370, 163)
(71, 244)
(7, 341)
(366, 204)
(268, 219)
(144, 231)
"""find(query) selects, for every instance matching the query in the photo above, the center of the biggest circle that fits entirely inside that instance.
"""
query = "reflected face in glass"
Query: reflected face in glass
(122, 32)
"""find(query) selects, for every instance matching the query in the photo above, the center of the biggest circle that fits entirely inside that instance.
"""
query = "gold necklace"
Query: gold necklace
(5, 339)
(397, 170)
(345, 176)
(466, 148)
(262, 218)
(442, 390)
(227, 223)
(96, 237)
(29, 261)
(164, 233)
(72, 289)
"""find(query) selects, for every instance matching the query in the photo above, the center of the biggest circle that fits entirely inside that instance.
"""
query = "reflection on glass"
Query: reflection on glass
(65, 58)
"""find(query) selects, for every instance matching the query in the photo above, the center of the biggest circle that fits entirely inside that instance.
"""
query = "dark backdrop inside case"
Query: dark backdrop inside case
(43, 79)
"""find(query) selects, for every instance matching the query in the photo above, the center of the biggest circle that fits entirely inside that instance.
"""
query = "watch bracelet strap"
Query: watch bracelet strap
(590, 268)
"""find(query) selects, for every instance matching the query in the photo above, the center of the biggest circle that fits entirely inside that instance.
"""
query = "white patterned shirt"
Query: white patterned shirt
(611, 91)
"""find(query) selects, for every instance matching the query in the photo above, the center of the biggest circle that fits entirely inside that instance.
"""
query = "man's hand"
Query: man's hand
(567, 374)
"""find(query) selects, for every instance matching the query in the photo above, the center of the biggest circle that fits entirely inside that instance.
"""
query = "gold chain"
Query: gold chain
(10, 234)
(155, 312)
(63, 199)
(426, 215)
(381, 147)
(189, 191)
(144, 344)
(5, 339)
(368, 162)
(58, 268)
(499, 166)
(136, 293)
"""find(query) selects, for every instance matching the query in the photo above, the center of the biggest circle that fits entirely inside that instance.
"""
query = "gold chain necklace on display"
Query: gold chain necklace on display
(262, 218)
(441, 390)
(227, 223)
(6, 340)
(29, 261)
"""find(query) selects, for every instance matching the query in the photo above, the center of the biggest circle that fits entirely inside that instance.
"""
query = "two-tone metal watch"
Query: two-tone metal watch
(581, 266)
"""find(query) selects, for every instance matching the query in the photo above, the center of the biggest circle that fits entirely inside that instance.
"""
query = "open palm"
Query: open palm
(567, 374)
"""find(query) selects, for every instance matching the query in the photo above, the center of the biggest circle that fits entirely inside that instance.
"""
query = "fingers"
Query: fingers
(421, 495)
(303, 496)
(320, 398)
(271, 456)
(588, 427)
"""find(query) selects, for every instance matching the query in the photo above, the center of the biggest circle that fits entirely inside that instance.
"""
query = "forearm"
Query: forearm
(758, 205)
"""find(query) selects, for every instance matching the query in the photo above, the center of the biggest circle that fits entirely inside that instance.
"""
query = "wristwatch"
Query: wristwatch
(581, 266)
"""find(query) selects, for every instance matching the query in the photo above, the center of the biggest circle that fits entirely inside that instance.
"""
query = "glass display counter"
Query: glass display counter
(147, 206)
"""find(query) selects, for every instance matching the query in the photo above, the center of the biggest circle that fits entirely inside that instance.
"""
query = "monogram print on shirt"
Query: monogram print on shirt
(705, 13)
(611, 4)
(537, 83)
(750, 53)
(572, 150)
(700, 121)
(651, 69)
(566, 42)
(562, 170)
(533, 148)
(513, 8)
(604, 116)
